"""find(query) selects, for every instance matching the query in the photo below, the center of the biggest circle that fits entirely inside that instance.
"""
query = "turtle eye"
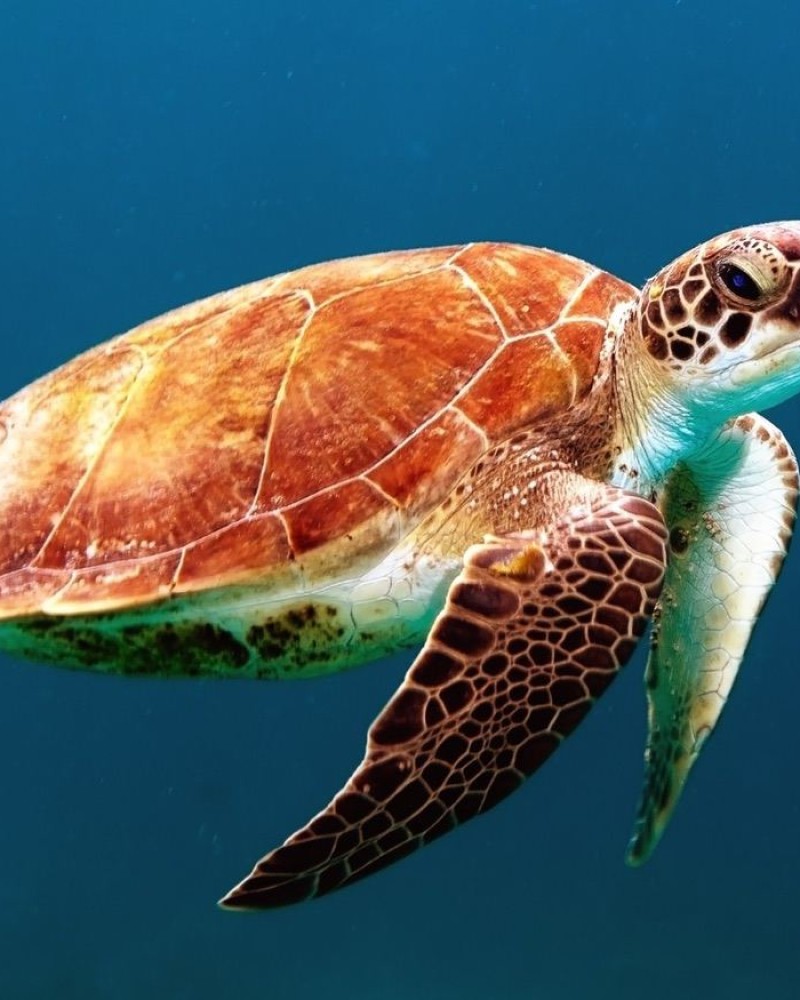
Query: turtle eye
(739, 282)
(753, 273)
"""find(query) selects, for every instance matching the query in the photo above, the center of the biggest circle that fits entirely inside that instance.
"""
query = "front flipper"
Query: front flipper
(730, 516)
(535, 627)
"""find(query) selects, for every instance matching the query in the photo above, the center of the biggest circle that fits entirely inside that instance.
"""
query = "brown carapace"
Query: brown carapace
(497, 452)
(267, 442)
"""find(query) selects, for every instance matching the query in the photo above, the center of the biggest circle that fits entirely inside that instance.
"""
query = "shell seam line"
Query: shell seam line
(280, 395)
(473, 286)
(92, 464)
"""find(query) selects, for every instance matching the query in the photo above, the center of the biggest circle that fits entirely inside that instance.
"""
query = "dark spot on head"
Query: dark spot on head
(656, 344)
(735, 329)
(681, 349)
(687, 332)
(791, 248)
(709, 354)
(708, 310)
(691, 289)
(746, 423)
(673, 307)
(655, 316)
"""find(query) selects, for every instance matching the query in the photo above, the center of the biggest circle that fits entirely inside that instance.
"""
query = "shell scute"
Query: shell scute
(372, 366)
(110, 585)
(527, 287)
(184, 452)
(581, 342)
(531, 370)
(598, 297)
(437, 453)
(23, 591)
(336, 514)
(236, 553)
(50, 442)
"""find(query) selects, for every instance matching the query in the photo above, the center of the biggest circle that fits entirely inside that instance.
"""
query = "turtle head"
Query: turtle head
(723, 321)
(714, 335)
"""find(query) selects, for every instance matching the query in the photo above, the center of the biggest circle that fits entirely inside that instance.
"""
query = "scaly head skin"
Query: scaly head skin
(715, 334)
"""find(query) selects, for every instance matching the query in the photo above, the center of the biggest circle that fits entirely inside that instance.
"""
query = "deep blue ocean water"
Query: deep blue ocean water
(154, 152)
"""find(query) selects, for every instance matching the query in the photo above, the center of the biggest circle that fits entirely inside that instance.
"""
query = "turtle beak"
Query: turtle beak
(773, 376)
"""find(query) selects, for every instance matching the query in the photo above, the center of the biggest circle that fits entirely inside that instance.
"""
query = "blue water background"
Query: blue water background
(154, 152)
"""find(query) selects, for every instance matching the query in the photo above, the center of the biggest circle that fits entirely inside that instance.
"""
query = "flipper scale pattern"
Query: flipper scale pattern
(535, 627)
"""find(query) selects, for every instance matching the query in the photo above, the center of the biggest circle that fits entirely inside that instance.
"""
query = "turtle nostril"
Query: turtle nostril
(735, 329)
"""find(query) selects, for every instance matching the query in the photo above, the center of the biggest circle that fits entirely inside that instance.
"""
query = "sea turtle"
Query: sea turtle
(500, 452)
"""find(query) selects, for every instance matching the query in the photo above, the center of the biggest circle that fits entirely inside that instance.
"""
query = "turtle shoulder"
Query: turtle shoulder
(289, 427)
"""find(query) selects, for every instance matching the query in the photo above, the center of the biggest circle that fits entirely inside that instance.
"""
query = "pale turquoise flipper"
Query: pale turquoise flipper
(730, 517)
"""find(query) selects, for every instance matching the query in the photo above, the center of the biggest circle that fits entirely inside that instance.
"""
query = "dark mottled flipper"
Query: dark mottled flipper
(535, 627)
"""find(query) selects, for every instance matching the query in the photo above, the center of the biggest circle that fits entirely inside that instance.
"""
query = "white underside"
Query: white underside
(403, 587)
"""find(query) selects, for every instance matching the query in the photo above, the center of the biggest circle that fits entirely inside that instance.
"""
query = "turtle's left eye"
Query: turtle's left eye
(750, 274)
(739, 282)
